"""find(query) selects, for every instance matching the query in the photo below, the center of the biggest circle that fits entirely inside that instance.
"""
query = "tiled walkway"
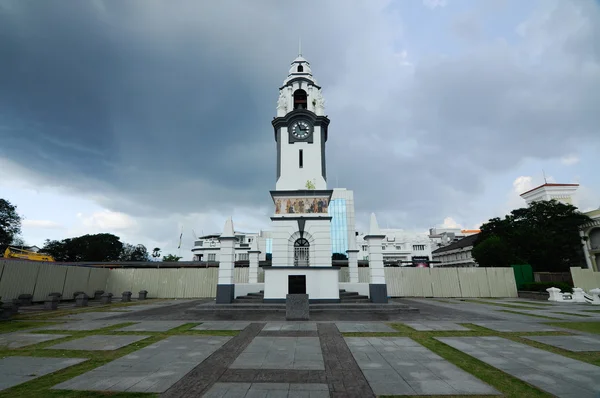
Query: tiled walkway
(240, 358)
(558, 375)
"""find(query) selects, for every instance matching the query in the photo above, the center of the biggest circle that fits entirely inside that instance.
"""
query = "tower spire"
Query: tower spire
(299, 46)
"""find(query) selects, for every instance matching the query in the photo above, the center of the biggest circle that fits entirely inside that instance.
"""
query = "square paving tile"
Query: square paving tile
(152, 326)
(82, 325)
(347, 327)
(154, 368)
(222, 325)
(281, 353)
(401, 366)
(553, 373)
(17, 370)
(97, 343)
(570, 343)
(18, 340)
(254, 390)
(436, 326)
(512, 326)
(289, 326)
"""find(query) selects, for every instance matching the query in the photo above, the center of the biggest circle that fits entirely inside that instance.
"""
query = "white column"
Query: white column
(376, 258)
(225, 287)
(586, 250)
(353, 261)
(253, 257)
(377, 287)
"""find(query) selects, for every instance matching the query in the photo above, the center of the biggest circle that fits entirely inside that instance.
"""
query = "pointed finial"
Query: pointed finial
(228, 230)
(299, 46)
(374, 227)
(544, 173)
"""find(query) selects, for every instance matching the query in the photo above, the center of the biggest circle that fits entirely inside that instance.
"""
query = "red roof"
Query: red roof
(550, 185)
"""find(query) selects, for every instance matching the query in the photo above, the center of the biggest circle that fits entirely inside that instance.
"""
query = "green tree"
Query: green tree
(99, 247)
(494, 252)
(10, 223)
(545, 235)
(134, 253)
(171, 258)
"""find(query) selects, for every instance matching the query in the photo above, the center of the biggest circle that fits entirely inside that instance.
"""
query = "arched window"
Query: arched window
(300, 68)
(300, 99)
(301, 248)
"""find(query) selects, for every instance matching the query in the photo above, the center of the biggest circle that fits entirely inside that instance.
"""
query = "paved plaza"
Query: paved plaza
(167, 349)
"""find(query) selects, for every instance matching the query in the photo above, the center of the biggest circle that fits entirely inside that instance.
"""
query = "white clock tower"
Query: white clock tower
(300, 130)
(301, 252)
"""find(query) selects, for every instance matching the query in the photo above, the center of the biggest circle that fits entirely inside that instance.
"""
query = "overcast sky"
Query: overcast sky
(141, 118)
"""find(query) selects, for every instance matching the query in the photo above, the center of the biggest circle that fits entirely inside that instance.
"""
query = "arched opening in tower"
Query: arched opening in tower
(300, 68)
(300, 99)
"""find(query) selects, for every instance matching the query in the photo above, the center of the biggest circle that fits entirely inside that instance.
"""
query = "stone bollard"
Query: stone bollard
(77, 294)
(297, 307)
(57, 295)
(9, 309)
(106, 298)
(142, 295)
(81, 300)
(578, 295)
(25, 299)
(51, 302)
(555, 294)
(126, 297)
(98, 294)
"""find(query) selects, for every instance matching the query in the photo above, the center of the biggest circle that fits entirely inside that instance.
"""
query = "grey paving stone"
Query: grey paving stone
(427, 326)
(347, 327)
(222, 325)
(290, 326)
(18, 340)
(401, 366)
(511, 326)
(268, 390)
(553, 373)
(17, 370)
(570, 343)
(81, 325)
(152, 369)
(281, 353)
(97, 343)
(152, 326)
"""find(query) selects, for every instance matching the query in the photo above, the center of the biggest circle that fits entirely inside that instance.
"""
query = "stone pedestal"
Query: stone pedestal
(77, 294)
(51, 303)
(142, 295)
(253, 255)
(297, 307)
(98, 294)
(106, 298)
(126, 297)
(56, 294)
(25, 299)
(81, 300)
(353, 263)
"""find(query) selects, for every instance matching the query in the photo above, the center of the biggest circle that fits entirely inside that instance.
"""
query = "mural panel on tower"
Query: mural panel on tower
(303, 205)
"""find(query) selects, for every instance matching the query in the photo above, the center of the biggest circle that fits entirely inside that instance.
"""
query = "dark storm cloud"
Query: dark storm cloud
(165, 107)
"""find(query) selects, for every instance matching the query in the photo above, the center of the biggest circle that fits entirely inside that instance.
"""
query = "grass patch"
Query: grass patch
(13, 326)
(41, 387)
(527, 314)
(596, 311)
(572, 314)
(589, 327)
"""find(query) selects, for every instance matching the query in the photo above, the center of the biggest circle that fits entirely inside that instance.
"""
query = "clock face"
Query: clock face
(300, 129)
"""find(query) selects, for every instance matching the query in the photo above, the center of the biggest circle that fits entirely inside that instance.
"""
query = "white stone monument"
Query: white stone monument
(225, 286)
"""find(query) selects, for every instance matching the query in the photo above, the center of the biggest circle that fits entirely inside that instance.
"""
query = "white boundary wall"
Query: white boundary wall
(40, 279)
(586, 279)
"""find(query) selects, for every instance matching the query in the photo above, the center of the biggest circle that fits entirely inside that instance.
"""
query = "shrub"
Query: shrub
(542, 286)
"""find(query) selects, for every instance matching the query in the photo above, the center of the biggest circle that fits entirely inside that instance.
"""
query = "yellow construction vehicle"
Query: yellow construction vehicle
(14, 253)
